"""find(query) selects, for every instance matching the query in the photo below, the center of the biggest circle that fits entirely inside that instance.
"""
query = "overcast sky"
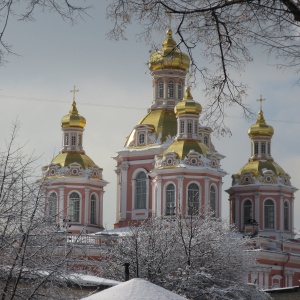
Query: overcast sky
(115, 92)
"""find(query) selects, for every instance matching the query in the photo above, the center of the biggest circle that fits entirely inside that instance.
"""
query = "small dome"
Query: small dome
(169, 57)
(73, 119)
(64, 159)
(188, 105)
(260, 128)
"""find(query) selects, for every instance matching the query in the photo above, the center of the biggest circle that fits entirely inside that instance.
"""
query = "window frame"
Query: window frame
(192, 194)
(214, 200)
(170, 199)
(269, 214)
(74, 207)
(140, 197)
(51, 199)
(93, 209)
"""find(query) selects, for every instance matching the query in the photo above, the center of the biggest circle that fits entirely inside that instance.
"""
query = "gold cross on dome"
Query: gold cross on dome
(261, 99)
(74, 91)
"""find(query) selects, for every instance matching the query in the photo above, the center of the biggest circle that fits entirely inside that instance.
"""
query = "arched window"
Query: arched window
(193, 199)
(74, 207)
(247, 211)
(170, 200)
(179, 91)
(286, 216)
(269, 214)
(93, 209)
(141, 190)
(52, 204)
(213, 200)
(171, 89)
(141, 138)
(160, 91)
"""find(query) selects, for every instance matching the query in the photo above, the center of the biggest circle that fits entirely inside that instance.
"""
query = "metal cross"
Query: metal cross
(261, 99)
(74, 91)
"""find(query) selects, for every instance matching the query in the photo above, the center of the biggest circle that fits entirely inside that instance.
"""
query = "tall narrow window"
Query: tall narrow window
(193, 199)
(93, 209)
(160, 90)
(66, 139)
(141, 191)
(179, 90)
(181, 126)
(256, 148)
(79, 140)
(170, 200)
(189, 126)
(286, 216)
(196, 127)
(206, 140)
(52, 203)
(213, 200)
(263, 148)
(247, 210)
(269, 214)
(73, 140)
(74, 207)
(170, 89)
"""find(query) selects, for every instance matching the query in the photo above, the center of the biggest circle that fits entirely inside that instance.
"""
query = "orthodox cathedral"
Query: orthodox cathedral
(169, 165)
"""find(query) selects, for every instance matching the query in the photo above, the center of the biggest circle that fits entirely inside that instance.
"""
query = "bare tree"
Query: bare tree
(24, 11)
(34, 258)
(221, 33)
(197, 257)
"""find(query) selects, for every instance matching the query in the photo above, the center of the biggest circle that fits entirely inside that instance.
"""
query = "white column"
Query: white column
(154, 198)
(100, 208)
(266, 283)
(237, 212)
(86, 206)
(165, 89)
(148, 196)
(219, 199)
(62, 209)
(179, 206)
(159, 198)
(206, 195)
(123, 200)
(280, 226)
(291, 215)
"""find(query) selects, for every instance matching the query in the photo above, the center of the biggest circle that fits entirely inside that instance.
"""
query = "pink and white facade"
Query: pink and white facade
(73, 183)
(168, 158)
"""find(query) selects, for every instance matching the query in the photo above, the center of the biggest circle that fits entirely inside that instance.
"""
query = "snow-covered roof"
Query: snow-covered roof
(89, 280)
(135, 289)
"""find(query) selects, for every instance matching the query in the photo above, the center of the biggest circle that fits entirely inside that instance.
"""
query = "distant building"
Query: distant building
(262, 206)
(73, 182)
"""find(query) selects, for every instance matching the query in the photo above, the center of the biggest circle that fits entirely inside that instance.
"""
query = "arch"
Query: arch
(193, 199)
(52, 207)
(140, 190)
(171, 89)
(74, 207)
(160, 90)
(286, 216)
(269, 214)
(170, 199)
(93, 209)
(212, 200)
(247, 211)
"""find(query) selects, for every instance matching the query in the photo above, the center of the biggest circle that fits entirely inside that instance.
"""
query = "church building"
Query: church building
(168, 164)
(73, 182)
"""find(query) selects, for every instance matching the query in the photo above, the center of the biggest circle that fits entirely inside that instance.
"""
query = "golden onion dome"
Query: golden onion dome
(258, 167)
(73, 119)
(64, 159)
(188, 105)
(260, 128)
(170, 57)
(183, 147)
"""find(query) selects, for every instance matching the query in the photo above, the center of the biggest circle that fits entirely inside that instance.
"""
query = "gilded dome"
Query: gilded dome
(170, 57)
(183, 147)
(64, 159)
(260, 128)
(73, 119)
(188, 105)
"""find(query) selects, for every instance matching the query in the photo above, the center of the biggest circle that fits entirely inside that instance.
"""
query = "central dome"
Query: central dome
(170, 57)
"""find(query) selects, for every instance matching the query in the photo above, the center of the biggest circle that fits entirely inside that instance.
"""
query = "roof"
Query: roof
(135, 289)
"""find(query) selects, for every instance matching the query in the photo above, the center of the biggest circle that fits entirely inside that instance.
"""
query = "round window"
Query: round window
(193, 161)
(268, 179)
(74, 172)
(169, 161)
(52, 172)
